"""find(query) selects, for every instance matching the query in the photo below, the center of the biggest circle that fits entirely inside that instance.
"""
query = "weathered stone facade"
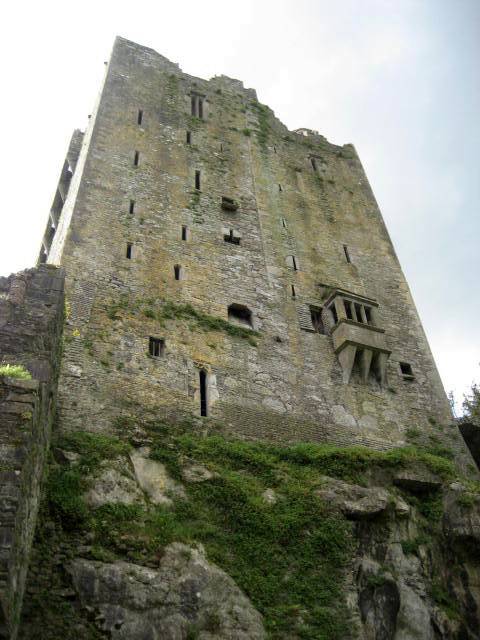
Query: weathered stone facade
(190, 192)
(31, 320)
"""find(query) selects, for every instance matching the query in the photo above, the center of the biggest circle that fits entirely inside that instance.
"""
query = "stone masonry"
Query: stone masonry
(190, 201)
(31, 320)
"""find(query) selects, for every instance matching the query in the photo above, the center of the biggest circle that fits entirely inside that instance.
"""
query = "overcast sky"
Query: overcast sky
(399, 79)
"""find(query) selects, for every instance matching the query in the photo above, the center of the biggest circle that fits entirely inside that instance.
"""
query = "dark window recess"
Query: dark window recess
(317, 321)
(230, 237)
(129, 250)
(229, 204)
(368, 315)
(221, 148)
(197, 179)
(240, 314)
(156, 347)
(406, 370)
(348, 309)
(358, 312)
(314, 163)
(178, 272)
(293, 291)
(136, 159)
(43, 256)
(334, 313)
(274, 149)
(284, 223)
(347, 255)
(189, 137)
(203, 393)
(279, 187)
(139, 116)
(131, 207)
(184, 233)
(197, 106)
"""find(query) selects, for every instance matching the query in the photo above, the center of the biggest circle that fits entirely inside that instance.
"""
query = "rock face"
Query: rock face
(354, 501)
(186, 595)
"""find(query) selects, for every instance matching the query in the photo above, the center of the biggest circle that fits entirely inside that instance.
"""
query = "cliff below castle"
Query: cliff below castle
(176, 531)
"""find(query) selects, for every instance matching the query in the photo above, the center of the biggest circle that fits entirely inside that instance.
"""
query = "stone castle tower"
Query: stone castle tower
(219, 264)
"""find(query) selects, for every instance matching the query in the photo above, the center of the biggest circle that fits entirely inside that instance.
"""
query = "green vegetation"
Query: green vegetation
(264, 128)
(246, 132)
(15, 371)
(288, 556)
(444, 600)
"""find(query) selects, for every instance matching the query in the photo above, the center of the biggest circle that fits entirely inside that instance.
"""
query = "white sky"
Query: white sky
(399, 79)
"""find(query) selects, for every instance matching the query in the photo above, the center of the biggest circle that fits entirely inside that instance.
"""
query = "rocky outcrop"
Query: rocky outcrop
(185, 597)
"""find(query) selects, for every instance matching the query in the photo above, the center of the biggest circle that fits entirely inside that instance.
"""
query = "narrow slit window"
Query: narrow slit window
(184, 233)
(197, 180)
(203, 393)
(156, 347)
(129, 250)
(348, 309)
(347, 254)
(140, 117)
(358, 312)
(136, 159)
(284, 223)
(317, 320)
(368, 315)
(294, 294)
(194, 105)
(334, 313)
(131, 207)
(189, 137)
(279, 187)
(406, 369)
(232, 237)
(221, 147)
(178, 272)
(200, 108)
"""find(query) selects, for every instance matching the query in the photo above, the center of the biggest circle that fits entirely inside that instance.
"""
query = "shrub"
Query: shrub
(15, 371)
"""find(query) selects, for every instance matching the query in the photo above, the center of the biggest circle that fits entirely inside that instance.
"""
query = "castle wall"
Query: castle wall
(285, 384)
(31, 315)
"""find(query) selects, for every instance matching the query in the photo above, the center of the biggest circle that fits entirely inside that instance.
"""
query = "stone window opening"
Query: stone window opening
(131, 207)
(294, 294)
(156, 347)
(284, 223)
(347, 254)
(136, 159)
(406, 370)
(129, 250)
(197, 180)
(292, 262)
(279, 187)
(368, 315)
(189, 137)
(203, 393)
(348, 309)
(229, 204)
(178, 272)
(221, 148)
(240, 315)
(139, 117)
(197, 106)
(185, 233)
(231, 237)
(334, 313)
(317, 320)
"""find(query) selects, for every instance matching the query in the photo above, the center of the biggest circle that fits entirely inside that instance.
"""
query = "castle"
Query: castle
(217, 264)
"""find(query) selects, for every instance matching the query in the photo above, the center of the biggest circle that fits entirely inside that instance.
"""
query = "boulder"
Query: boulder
(197, 473)
(185, 597)
(114, 485)
(354, 501)
(417, 479)
(153, 478)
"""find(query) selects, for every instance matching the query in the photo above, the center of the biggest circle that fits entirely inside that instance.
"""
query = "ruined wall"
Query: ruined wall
(297, 195)
(31, 316)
